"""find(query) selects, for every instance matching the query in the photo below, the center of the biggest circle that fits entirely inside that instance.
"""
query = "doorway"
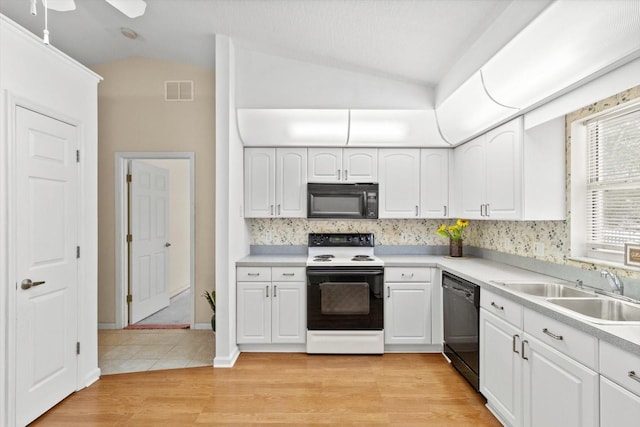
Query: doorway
(181, 282)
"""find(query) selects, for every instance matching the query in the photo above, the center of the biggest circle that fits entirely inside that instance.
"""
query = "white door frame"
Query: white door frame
(121, 159)
(8, 221)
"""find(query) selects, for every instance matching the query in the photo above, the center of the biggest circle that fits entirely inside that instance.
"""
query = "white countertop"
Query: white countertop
(483, 272)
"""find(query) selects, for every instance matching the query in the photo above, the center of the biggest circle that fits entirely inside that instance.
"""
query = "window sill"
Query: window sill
(603, 262)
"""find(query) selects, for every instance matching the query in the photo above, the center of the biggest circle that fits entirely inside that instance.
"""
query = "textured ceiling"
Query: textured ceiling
(412, 40)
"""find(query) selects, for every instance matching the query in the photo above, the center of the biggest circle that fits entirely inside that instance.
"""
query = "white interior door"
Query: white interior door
(149, 213)
(46, 266)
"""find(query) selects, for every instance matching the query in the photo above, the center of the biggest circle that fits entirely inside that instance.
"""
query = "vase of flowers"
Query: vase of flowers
(454, 234)
(211, 299)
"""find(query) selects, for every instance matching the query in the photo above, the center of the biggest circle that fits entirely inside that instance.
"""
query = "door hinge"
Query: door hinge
(77, 251)
(77, 156)
(78, 347)
(129, 238)
(129, 177)
(129, 299)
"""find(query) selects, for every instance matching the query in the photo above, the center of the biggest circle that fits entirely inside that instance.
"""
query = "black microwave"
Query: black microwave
(342, 201)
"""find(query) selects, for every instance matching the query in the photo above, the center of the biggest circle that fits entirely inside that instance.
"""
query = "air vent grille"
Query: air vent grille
(178, 90)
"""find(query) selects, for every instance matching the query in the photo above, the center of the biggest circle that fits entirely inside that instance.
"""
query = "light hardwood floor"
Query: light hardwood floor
(284, 388)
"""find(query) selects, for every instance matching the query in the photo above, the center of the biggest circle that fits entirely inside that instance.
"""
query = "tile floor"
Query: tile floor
(121, 351)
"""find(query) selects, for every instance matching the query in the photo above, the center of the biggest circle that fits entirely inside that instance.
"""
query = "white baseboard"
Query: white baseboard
(202, 325)
(92, 377)
(179, 291)
(227, 362)
(107, 326)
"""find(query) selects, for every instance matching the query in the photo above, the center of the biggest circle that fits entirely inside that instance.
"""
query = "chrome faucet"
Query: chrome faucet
(614, 281)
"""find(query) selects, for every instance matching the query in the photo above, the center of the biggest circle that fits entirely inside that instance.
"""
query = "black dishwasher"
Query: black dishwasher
(461, 310)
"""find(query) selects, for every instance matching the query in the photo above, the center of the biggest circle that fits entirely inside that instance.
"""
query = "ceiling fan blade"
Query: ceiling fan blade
(131, 8)
(59, 5)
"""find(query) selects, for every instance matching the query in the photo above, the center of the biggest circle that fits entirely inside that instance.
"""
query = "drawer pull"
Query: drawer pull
(289, 274)
(267, 288)
(514, 348)
(522, 349)
(552, 335)
(407, 275)
(499, 307)
(388, 291)
(275, 291)
(253, 274)
(633, 376)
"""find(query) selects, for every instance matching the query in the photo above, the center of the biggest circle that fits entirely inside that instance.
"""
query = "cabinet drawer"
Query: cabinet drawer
(288, 274)
(576, 344)
(409, 274)
(502, 307)
(253, 274)
(617, 364)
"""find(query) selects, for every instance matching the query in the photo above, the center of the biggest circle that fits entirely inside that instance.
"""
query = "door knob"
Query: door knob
(27, 283)
(166, 245)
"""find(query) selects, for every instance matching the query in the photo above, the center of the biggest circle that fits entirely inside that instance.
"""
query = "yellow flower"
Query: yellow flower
(462, 223)
(442, 227)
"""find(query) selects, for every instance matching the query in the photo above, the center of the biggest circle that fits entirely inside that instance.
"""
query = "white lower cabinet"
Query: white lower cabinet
(531, 383)
(619, 387)
(271, 311)
(407, 308)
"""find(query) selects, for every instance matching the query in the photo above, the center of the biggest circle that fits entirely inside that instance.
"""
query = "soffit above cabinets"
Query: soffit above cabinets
(325, 127)
(566, 44)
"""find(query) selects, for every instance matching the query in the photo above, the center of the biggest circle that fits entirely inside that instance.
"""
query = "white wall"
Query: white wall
(268, 81)
(42, 78)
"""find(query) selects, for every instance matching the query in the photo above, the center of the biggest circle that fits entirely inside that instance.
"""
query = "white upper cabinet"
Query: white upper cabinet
(275, 181)
(507, 174)
(399, 192)
(434, 182)
(293, 127)
(394, 128)
(338, 165)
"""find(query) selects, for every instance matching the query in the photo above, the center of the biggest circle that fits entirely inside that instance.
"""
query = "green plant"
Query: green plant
(453, 232)
(211, 299)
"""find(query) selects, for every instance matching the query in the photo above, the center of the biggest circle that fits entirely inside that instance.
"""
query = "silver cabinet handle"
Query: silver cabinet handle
(481, 210)
(522, 350)
(407, 275)
(278, 209)
(417, 210)
(513, 347)
(267, 288)
(253, 274)
(346, 174)
(388, 291)
(552, 335)
(633, 376)
(486, 210)
(289, 274)
(275, 291)
(499, 307)
(271, 210)
(445, 210)
(338, 174)
(27, 283)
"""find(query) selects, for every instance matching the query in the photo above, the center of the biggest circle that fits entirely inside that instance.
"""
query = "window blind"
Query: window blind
(613, 187)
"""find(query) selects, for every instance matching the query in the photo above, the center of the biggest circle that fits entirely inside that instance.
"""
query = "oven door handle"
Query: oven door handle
(345, 272)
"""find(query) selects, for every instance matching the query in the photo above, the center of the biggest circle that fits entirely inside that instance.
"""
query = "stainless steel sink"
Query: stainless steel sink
(549, 290)
(601, 309)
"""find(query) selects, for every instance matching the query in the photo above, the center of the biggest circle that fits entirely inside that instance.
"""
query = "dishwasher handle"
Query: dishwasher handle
(465, 293)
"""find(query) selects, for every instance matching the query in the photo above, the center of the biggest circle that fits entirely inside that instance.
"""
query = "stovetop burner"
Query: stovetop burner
(362, 258)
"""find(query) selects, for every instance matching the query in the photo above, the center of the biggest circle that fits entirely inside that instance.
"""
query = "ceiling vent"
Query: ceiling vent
(178, 90)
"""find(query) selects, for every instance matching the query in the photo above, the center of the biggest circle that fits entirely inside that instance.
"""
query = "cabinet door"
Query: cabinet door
(399, 191)
(557, 390)
(434, 183)
(501, 367)
(259, 182)
(618, 406)
(469, 178)
(503, 158)
(407, 313)
(325, 164)
(254, 313)
(289, 312)
(291, 182)
(360, 165)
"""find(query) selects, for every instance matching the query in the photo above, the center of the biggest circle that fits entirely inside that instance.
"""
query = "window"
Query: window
(612, 211)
